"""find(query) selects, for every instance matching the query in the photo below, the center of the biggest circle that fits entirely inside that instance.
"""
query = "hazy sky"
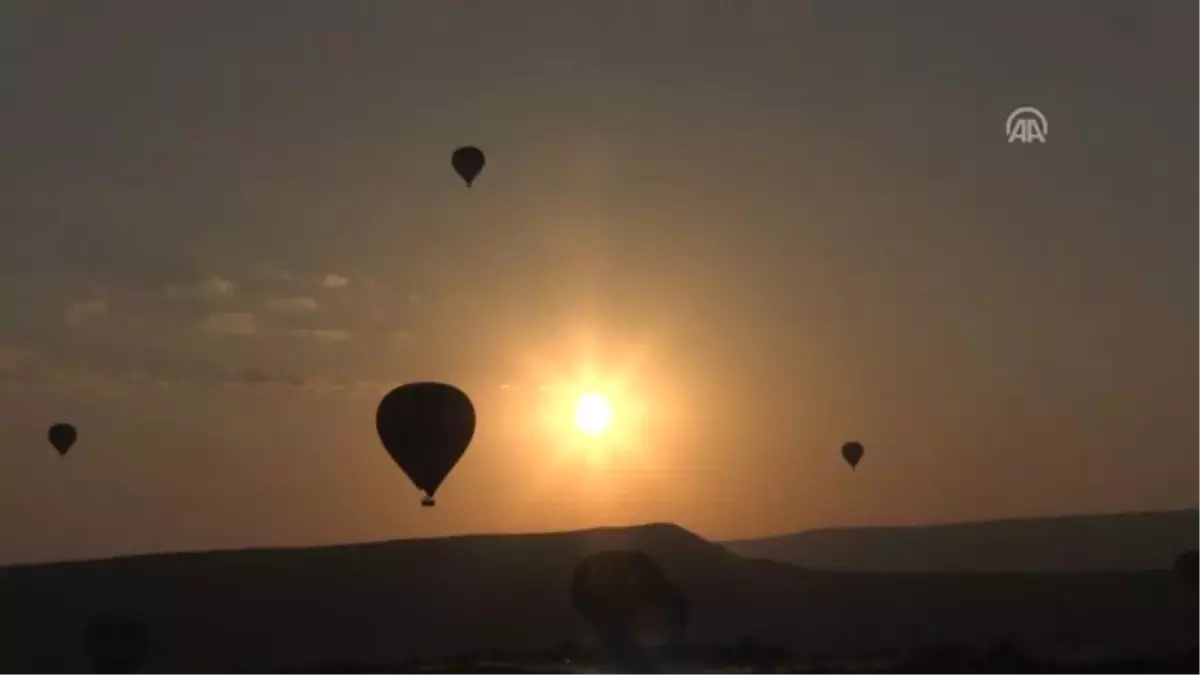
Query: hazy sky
(761, 228)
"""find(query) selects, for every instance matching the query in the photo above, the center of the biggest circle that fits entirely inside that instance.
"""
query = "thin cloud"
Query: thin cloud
(27, 368)
(324, 335)
(296, 305)
(209, 289)
(415, 299)
(256, 377)
(404, 336)
(13, 357)
(323, 385)
(369, 388)
(332, 281)
(273, 273)
(89, 382)
(70, 377)
(319, 385)
(231, 323)
(13, 360)
(252, 376)
(79, 313)
(216, 287)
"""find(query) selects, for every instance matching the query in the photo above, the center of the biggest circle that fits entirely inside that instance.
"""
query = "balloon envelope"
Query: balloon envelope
(426, 427)
(852, 452)
(62, 436)
(676, 611)
(622, 593)
(468, 161)
(1187, 566)
(116, 644)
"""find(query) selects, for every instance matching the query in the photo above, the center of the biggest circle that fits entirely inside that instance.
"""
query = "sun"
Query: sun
(593, 414)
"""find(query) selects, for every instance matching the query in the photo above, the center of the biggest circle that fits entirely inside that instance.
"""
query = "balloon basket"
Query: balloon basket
(428, 501)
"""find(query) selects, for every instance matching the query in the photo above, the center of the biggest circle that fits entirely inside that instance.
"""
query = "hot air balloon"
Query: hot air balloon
(62, 436)
(116, 644)
(852, 452)
(677, 613)
(1187, 566)
(617, 592)
(426, 427)
(468, 161)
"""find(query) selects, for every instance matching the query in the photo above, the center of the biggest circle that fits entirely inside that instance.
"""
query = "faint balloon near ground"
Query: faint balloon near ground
(116, 644)
(1187, 566)
(627, 599)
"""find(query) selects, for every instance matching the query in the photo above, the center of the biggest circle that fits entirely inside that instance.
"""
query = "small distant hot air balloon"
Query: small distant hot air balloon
(62, 436)
(468, 161)
(852, 452)
(1187, 566)
(116, 644)
(426, 427)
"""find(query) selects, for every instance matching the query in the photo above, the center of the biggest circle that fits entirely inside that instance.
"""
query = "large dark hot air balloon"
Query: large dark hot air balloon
(116, 644)
(62, 436)
(616, 592)
(468, 161)
(852, 452)
(426, 427)
(1187, 566)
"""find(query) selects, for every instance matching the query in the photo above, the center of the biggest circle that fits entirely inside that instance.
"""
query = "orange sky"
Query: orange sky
(761, 232)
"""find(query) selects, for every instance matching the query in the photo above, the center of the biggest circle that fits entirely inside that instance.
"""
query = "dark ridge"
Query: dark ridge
(395, 601)
(1115, 542)
(653, 535)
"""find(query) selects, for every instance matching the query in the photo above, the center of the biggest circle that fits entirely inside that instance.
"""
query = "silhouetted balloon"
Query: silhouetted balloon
(1187, 565)
(426, 427)
(619, 593)
(116, 644)
(62, 436)
(677, 613)
(853, 453)
(468, 161)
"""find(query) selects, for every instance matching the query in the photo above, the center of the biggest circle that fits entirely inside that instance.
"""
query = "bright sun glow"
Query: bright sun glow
(593, 414)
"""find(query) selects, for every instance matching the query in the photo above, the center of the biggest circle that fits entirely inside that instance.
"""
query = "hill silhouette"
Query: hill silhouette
(440, 598)
(1094, 543)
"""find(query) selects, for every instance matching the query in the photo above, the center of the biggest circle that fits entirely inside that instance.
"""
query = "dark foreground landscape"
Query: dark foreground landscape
(501, 604)
(732, 659)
